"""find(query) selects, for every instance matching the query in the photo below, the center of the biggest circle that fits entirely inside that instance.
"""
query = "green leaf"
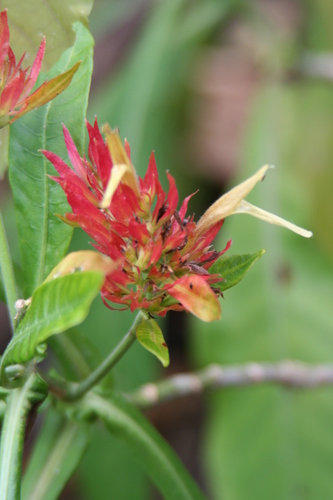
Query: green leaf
(78, 356)
(19, 282)
(3, 407)
(153, 453)
(29, 21)
(151, 338)
(56, 306)
(58, 451)
(20, 402)
(4, 138)
(44, 239)
(233, 269)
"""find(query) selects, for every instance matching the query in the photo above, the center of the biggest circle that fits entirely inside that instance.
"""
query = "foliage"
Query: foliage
(168, 261)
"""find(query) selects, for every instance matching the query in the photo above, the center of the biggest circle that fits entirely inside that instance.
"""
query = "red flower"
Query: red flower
(17, 83)
(162, 257)
(161, 263)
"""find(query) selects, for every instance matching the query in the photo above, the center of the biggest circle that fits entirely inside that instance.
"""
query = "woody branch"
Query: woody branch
(289, 373)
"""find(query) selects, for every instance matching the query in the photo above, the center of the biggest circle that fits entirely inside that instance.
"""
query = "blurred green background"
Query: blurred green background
(218, 88)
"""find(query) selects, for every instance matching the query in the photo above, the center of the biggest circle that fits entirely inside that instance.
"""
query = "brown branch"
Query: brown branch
(287, 373)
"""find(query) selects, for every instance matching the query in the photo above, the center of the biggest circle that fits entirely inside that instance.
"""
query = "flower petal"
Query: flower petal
(228, 203)
(4, 36)
(120, 157)
(35, 69)
(46, 92)
(99, 153)
(117, 174)
(246, 208)
(233, 203)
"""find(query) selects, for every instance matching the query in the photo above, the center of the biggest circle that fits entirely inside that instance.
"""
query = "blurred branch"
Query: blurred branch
(317, 65)
(289, 373)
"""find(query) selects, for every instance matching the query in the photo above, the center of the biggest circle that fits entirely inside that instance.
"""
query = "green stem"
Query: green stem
(7, 272)
(76, 391)
(57, 453)
(12, 440)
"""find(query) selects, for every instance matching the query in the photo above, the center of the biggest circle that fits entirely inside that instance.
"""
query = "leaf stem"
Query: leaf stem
(7, 272)
(75, 391)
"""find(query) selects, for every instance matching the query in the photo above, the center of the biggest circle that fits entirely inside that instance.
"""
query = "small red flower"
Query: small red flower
(17, 83)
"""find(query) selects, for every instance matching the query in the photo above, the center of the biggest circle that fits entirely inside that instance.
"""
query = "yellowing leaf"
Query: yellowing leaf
(84, 260)
(194, 293)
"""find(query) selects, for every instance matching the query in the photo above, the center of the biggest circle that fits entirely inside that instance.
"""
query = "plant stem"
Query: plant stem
(75, 391)
(7, 272)
(57, 453)
(12, 440)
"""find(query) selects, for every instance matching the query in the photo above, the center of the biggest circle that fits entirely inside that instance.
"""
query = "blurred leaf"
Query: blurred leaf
(151, 338)
(107, 15)
(4, 138)
(282, 310)
(44, 239)
(29, 21)
(153, 453)
(56, 306)
(98, 477)
(132, 96)
(318, 33)
(202, 19)
(234, 268)
(56, 455)
(78, 356)
(3, 408)
(145, 99)
(19, 282)
(311, 151)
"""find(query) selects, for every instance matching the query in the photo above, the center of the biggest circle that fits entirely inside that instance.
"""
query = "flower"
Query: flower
(162, 255)
(17, 83)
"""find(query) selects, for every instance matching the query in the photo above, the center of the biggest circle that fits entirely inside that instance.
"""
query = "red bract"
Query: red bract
(17, 83)
(162, 264)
